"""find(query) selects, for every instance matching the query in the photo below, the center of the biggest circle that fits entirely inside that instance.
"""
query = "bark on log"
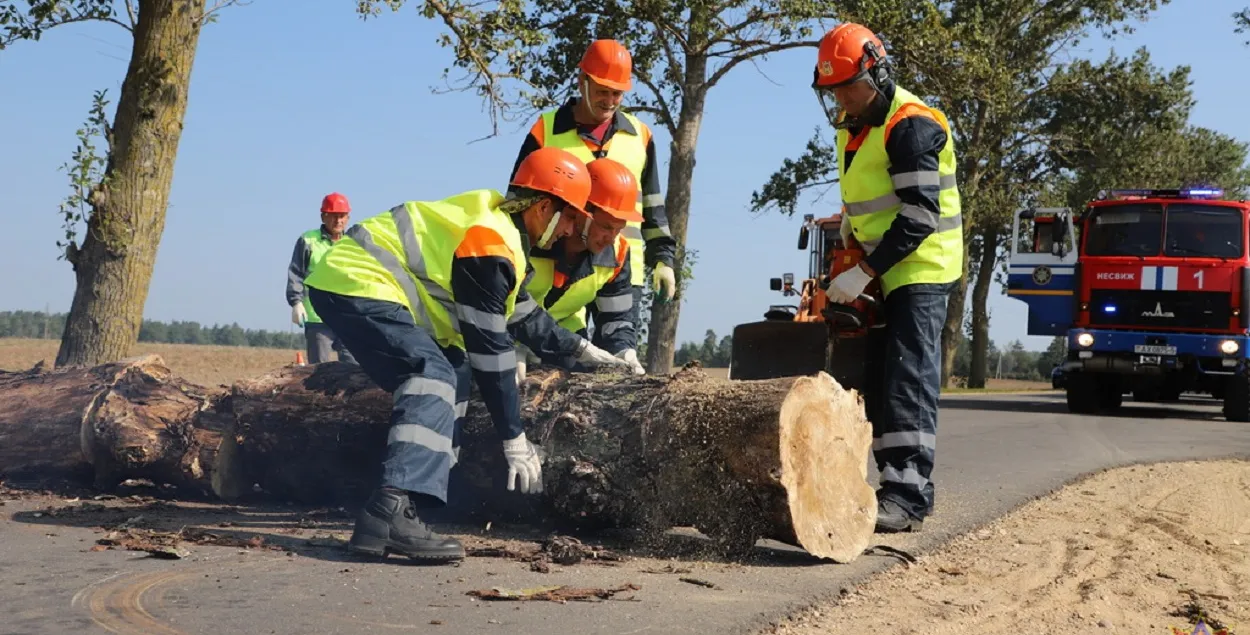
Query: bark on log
(784, 459)
(128, 419)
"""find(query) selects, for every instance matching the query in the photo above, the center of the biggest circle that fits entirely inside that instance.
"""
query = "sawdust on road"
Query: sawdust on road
(1140, 550)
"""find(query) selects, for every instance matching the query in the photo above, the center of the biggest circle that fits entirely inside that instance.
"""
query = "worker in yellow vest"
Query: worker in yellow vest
(310, 248)
(896, 168)
(428, 297)
(592, 126)
(588, 273)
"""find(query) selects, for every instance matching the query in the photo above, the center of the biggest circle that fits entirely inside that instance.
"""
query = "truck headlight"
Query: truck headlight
(1085, 340)
(1229, 347)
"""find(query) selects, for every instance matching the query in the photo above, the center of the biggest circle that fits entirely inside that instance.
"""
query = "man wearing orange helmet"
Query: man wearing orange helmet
(310, 249)
(896, 167)
(589, 271)
(428, 297)
(592, 126)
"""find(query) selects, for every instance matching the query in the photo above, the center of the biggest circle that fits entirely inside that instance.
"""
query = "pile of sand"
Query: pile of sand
(1137, 550)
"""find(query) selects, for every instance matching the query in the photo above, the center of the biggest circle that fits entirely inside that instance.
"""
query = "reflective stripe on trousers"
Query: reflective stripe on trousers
(429, 386)
(905, 427)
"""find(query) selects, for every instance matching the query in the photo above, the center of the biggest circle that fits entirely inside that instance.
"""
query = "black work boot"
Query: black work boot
(892, 518)
(388, 523)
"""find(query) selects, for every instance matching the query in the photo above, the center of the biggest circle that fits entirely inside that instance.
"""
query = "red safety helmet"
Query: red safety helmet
(847, 54)
(557, 172)
(335, 203)
(608, 62)
(614, 189)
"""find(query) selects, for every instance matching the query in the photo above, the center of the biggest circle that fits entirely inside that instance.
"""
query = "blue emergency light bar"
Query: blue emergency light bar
(1189, 192)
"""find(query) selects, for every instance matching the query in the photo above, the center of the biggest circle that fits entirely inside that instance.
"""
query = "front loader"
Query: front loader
(844, 340)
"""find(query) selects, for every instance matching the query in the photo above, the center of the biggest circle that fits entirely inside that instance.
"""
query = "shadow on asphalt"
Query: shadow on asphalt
(1055, 404)
(145, 521)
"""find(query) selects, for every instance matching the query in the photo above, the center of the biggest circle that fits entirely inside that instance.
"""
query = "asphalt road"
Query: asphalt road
(995, 452)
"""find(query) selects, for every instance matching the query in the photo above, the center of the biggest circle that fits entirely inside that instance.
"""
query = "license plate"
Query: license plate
(1153, 349)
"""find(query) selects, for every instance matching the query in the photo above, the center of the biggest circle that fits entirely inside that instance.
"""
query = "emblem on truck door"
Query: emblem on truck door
(1158, 312)
(1042, 275)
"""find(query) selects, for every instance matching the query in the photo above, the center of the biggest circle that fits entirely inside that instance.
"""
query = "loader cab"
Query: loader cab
(1042, 267)
(820, 238)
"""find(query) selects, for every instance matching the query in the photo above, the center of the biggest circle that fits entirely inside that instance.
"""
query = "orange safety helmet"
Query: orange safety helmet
(557, 172)
(849, 53)
(608, 62)
(614, 189)
(335, 203)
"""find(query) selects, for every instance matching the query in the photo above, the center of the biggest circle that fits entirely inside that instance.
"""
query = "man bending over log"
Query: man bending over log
(429, 296)
(588, 273)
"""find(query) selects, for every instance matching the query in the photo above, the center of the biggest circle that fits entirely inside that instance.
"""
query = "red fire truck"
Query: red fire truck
(1153, 299)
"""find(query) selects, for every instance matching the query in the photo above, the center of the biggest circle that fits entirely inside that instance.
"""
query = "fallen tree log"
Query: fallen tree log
(128, 419)
(784, 459)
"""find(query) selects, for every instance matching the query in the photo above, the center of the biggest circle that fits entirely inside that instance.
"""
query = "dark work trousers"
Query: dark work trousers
(321, 341)
(430, 385)
(905, 428)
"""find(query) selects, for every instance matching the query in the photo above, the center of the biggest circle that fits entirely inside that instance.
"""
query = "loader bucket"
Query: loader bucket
(778, 348)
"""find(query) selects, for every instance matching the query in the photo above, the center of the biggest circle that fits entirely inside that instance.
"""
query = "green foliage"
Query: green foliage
(40, 325)
(1242, 20)
(521, 57)
(86, 173)
(40, 15)
(712, 352)
(986, 65)
(1013, 363)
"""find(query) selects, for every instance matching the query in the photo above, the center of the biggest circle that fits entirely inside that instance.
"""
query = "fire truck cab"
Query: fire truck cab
(1151, 289)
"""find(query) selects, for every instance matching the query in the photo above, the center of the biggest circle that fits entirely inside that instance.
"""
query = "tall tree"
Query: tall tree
(982, 63)
(124, 195)
(521, 57)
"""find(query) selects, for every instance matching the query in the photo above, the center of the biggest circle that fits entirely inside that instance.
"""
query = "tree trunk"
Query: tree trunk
(954, 323)
(970, 168)
(784, 459)
(114, 265)
(129, 419)
(662, 331)
(979, 369)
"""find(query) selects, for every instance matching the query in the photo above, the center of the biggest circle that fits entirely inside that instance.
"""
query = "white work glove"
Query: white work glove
(524, 357)
(630, 355)
(524, 465)
(664, 281)
(592, 355)
(845, 288)
(521, 358)
(298, 314)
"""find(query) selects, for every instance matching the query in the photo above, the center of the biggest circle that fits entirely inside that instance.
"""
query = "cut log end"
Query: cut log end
(825, 440)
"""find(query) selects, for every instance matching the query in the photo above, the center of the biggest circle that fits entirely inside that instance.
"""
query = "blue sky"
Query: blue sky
(288, 106)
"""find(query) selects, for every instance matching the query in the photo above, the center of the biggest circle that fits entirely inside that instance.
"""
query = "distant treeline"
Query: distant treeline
(40, 325)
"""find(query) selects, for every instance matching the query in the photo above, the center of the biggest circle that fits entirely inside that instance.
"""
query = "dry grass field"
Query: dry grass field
(211, 365)
(204, 365)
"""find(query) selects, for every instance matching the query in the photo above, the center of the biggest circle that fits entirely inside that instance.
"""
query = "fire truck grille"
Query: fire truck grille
(1177, 309)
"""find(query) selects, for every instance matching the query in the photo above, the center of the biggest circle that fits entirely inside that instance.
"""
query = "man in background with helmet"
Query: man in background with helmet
(592, 126)
(309, 251)
(896, 168)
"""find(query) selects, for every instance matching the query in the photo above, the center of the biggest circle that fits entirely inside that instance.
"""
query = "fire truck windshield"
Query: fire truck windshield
(1125, 230)
(1192, 230)
(1203, 231)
